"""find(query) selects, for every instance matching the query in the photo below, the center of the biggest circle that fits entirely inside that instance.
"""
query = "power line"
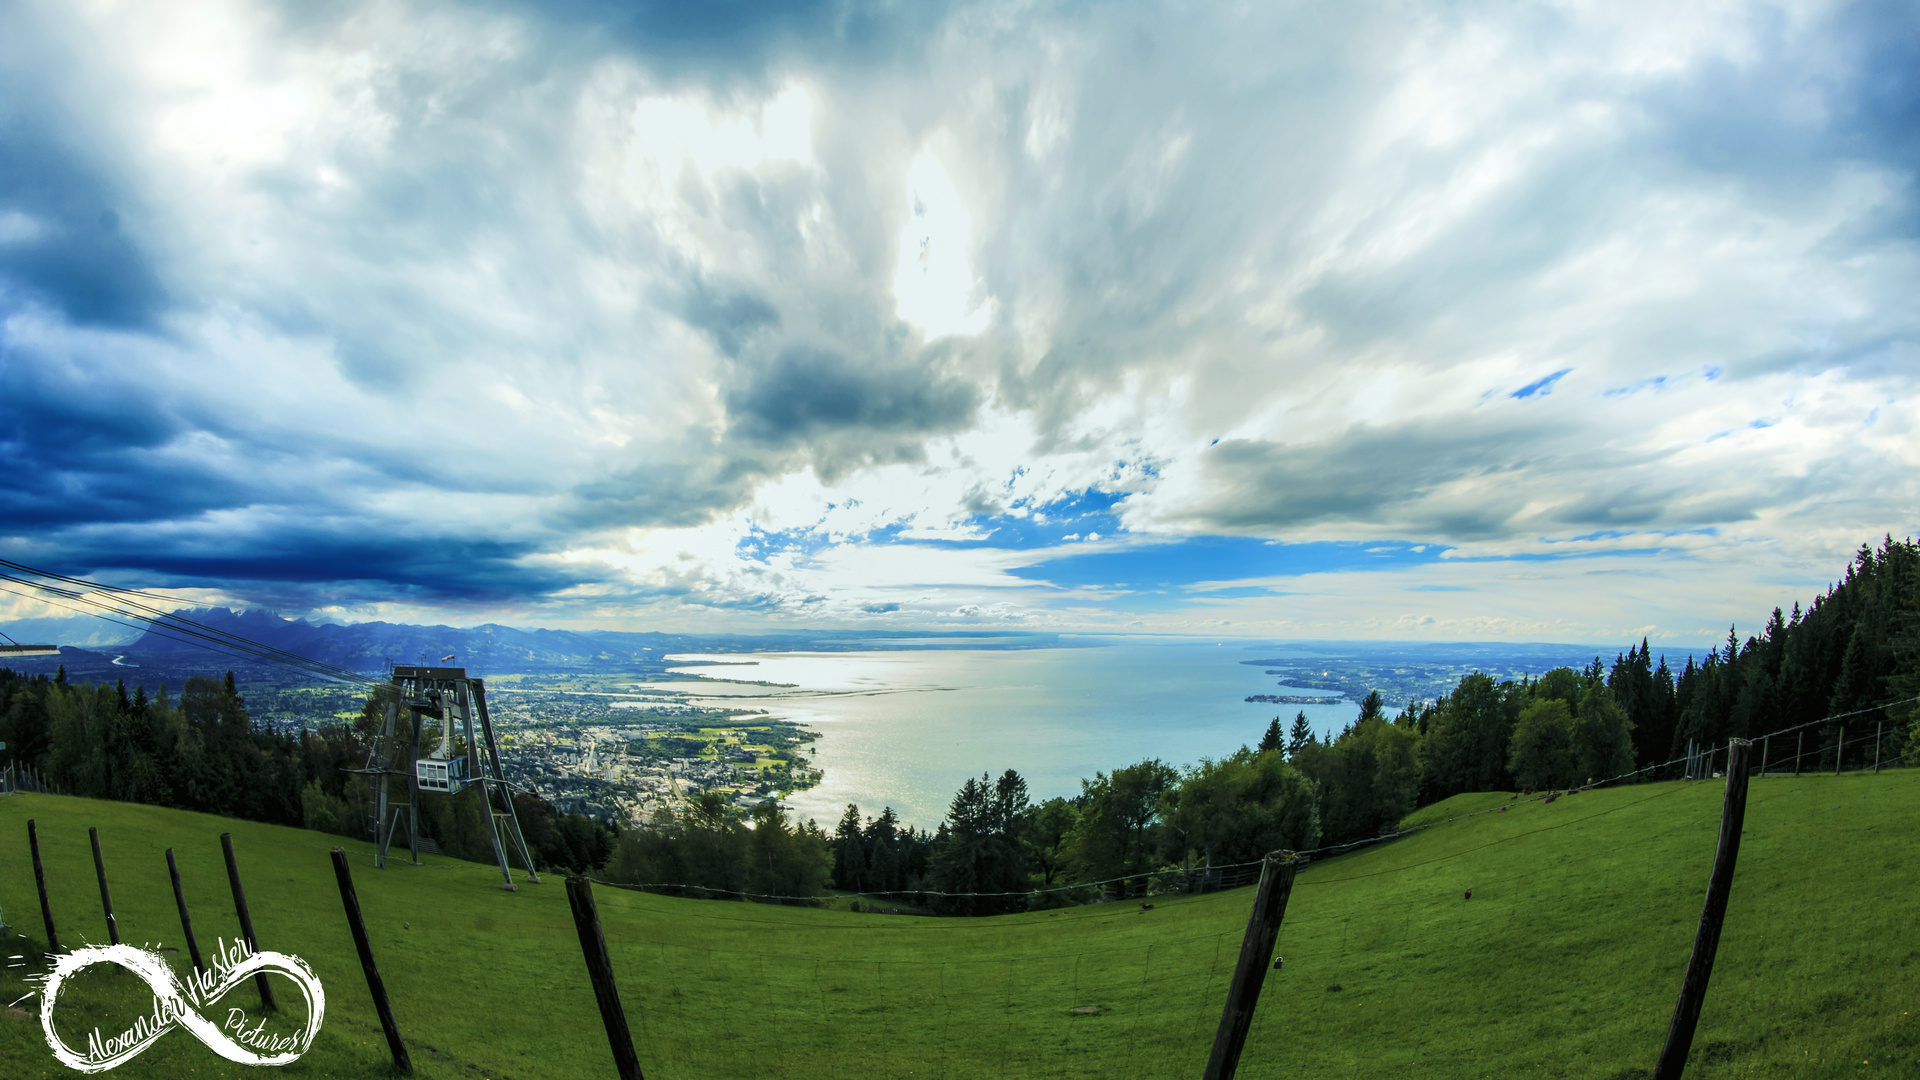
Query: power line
(132, 604)
(147, 628)
(130, 607)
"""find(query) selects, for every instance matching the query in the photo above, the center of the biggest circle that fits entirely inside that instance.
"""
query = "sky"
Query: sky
(1567, 322)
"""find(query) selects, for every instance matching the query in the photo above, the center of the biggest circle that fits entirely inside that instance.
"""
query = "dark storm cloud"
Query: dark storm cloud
(741, 33)
(805, 392)
(80, 449)
(70, 247)
(59, 415)
(119, 490)
(301, 562)
(728, 316)
(1484, 479)
(1365, 474)
(675, 493)
(1455, 481)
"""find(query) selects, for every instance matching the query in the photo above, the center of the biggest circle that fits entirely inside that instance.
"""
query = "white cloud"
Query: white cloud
(442, 273)
(934, 284)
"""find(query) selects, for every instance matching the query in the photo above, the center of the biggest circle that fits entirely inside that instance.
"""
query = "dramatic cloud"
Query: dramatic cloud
(1574, 321)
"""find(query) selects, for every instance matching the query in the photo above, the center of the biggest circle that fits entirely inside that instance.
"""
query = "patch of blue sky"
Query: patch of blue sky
(1026, 524)
(1084, 515)
(761, 544)
(1763, 422)
(1540, 387)
(1191, 561)
(1657, 382)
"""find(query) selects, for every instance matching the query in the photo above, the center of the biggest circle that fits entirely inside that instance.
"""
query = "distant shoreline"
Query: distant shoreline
(1293, 699)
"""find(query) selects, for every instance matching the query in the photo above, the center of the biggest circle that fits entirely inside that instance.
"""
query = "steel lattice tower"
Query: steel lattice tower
(449, 696)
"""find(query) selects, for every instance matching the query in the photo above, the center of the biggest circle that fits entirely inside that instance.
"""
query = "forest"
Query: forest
(1850, 656)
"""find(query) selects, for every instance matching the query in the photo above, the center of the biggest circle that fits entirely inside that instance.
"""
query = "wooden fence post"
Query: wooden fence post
(100, 871)
(1878, 728)
(1693, 990)
(186, 924)
(593, 944)
(1765, 748)
(246, 921)
(1256, 952)
(1799, 749)
(1840, 751)
(40, 882)
(349, 900)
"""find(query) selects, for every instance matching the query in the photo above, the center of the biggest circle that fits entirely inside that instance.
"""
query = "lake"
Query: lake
(906, 728)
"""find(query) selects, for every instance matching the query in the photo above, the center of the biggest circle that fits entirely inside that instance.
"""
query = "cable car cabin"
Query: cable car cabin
(449, 776)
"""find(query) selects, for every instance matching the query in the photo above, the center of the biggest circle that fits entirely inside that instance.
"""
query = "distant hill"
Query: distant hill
(370, 647)
(490, 649)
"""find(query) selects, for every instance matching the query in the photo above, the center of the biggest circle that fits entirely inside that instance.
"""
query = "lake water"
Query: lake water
(905, 729)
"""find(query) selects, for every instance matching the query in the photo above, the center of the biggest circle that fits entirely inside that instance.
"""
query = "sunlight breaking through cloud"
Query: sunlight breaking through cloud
(934, 283)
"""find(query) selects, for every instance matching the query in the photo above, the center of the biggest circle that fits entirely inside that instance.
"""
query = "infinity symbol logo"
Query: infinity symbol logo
(175, 1005)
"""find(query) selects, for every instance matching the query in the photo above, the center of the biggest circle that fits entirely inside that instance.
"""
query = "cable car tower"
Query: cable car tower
(460, 761)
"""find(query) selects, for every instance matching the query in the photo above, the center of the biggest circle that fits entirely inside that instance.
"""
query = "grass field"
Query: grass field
(1565, 962)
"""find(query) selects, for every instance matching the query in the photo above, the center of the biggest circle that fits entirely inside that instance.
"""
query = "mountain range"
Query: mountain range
(371, 647)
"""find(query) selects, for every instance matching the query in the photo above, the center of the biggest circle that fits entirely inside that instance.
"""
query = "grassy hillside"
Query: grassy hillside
(1565, 962)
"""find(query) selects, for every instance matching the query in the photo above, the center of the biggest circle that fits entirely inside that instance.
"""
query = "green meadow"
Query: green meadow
(1565, 962)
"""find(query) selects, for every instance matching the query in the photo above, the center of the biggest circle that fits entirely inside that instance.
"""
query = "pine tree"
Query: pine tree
(959, 863)
(1300, 734)
(1647, 698)
(1409, 717)
(1372, 707)
(849, 851)
(1663, 717)
(881, 843)
(1272, 739)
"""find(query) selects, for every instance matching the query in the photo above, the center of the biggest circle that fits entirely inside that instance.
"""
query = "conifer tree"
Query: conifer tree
(849, 851)
(1372, 707)
(1272, 739)
(1300, 734)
